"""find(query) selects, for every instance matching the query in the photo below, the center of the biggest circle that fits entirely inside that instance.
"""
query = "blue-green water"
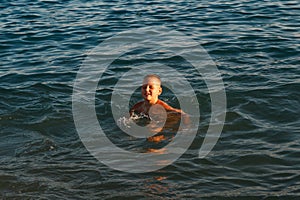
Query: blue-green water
(255, 45)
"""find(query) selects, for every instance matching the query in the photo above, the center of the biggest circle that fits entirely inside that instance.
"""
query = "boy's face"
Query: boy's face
(151, 89)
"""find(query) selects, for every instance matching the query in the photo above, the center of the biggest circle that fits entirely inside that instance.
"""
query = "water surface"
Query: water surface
(255, 45)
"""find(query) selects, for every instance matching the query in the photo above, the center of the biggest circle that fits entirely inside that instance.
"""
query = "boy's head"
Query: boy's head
(151, 88)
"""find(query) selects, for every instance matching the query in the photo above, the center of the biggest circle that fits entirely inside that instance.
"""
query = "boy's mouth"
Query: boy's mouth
(147, 95)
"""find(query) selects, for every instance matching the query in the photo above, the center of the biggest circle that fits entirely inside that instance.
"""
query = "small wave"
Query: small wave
(140, 119)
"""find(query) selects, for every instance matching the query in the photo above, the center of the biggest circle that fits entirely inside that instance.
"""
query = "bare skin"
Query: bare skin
(151, 89)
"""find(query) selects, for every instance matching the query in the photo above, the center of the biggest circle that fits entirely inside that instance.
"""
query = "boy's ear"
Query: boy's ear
(160, 91)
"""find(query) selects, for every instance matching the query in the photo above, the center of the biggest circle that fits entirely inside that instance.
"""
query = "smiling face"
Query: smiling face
(151, 89)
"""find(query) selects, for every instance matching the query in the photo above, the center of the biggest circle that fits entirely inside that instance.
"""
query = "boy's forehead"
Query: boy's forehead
(151, 80)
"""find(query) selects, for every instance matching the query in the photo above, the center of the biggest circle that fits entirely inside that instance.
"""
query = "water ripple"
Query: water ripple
(255, 45)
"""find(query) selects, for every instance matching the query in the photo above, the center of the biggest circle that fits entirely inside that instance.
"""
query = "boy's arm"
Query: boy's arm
(186, 117)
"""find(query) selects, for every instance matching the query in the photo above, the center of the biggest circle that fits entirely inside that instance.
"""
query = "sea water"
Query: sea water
(255, 46)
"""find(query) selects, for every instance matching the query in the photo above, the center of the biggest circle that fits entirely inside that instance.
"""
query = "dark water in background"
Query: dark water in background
(255, 45)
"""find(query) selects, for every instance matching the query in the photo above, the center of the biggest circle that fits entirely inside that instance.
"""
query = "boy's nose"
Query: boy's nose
(147, 88)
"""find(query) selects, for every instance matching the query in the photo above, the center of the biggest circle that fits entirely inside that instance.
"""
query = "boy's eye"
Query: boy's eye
(145, 87)
(150, 87)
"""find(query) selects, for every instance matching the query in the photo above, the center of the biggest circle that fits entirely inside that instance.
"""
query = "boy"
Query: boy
(151, 89)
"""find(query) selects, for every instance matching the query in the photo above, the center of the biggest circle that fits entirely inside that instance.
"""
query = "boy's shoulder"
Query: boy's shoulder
(164, 104)
(168, 107)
